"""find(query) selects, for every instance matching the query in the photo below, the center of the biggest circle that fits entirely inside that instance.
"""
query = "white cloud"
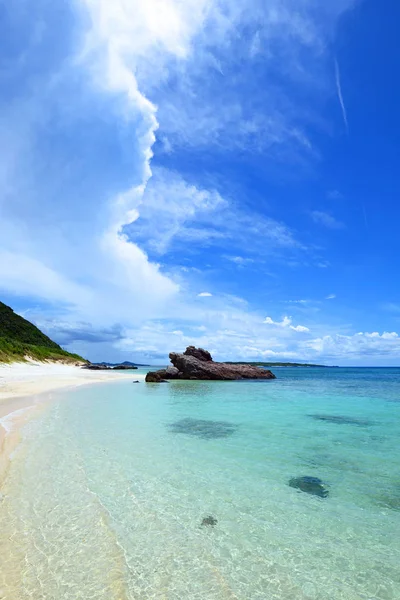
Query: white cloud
(286, 322)
(174, 209)
(47, 210)
(385, 336)
(24, 276)
(241, 261)
(325, 219)
(330, 297)
(204, 295)
(358, 346)
(176, 213)
(121, 35)
(390, 336)
(231, 331)
(166, 145)
(271, 120)
(235, 334)
(300, 328)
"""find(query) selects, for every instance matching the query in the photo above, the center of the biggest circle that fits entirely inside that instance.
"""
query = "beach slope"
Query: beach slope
(23, 387)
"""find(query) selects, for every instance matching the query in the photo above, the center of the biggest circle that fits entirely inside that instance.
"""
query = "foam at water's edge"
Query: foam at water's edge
(8, 422)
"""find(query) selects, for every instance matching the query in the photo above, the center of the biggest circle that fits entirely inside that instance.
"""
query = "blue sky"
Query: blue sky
(203, 172)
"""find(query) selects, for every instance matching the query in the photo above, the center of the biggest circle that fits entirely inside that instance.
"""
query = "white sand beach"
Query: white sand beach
(24, 387)
(32, 377)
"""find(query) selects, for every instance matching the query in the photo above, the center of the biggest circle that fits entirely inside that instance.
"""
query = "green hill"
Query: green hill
(20, 339)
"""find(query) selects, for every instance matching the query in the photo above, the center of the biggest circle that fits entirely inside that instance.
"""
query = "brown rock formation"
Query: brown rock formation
(196, 363)
(155, 377)
(199, 353)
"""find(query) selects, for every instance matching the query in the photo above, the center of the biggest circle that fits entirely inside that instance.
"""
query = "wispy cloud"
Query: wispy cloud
(330, 297)
(326, 219)
(340, 95)
(334, 195)
(246, 116)
(204, 295)
(393, 307)
(189, 214)
(300, 328)
(241, 261)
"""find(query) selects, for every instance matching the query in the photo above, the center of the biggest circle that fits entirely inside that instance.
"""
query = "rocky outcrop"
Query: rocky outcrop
(162, 375)
(199, 353)
(155, 377)
(196, 363)
(171, 373)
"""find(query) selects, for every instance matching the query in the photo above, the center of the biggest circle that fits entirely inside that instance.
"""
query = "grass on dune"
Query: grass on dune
(12, 350)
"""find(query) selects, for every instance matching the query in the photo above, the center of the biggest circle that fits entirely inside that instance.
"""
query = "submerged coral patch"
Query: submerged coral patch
(209, 521)
(341, 420)
(204, 429)
(389, 498)
(310, 485)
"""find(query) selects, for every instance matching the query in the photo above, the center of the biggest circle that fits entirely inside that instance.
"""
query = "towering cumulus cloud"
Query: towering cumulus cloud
(123, 37)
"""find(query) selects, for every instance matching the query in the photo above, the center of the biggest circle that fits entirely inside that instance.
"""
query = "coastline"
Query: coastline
(24, 389)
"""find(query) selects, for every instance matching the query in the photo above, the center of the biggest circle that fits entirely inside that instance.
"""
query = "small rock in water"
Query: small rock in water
(209, 521)
(137, 381)
(310, 485)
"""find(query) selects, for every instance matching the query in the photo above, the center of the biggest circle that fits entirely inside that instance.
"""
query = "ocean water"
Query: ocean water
(108, 490)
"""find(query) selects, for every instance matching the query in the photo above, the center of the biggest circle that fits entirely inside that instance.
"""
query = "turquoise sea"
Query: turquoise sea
(107, 492)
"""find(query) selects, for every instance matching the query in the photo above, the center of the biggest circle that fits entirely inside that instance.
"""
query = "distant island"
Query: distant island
(20, 339)
(104, 366)
(126, 364)
(282, 364)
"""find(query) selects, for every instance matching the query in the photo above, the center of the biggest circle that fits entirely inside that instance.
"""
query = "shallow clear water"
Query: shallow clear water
(107, 492)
